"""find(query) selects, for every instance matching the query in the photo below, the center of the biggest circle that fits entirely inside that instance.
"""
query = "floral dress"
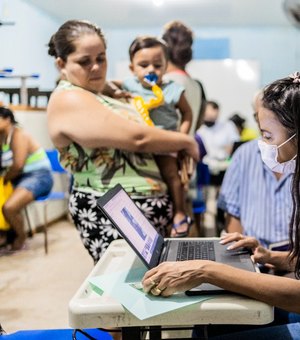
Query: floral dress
(95, 171)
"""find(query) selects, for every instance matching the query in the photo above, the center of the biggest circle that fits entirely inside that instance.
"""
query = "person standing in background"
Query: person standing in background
(180, 40)
(246, 133)
(218, 138)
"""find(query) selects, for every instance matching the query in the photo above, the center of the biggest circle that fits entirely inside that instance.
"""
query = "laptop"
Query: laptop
(153, 249)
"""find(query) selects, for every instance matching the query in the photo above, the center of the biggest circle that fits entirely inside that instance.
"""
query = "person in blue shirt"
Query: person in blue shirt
(256, 200)
(148, 59)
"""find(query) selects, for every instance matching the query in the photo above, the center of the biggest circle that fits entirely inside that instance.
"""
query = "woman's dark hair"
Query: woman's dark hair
(61, 43)
(213, 104)
(282, 97)
(238, 121)
(7, 113)
(146, 42)
(179, 39)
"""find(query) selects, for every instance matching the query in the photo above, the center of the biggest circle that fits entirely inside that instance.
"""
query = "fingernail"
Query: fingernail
(222, 241)
(229, 248)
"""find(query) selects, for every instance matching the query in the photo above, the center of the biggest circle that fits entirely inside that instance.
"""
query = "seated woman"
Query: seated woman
(278, 117)
(26, 165)
(103, 141)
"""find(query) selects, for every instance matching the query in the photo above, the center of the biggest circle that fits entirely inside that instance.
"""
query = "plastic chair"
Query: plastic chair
(52, 196)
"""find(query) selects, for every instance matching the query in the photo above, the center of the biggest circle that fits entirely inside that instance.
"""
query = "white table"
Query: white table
(89, 310)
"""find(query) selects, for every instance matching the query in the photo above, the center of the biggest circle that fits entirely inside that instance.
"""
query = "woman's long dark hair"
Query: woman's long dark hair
(282, 97)
(5, 112)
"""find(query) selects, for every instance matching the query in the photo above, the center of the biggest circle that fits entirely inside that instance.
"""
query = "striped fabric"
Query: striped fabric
(251, 192)
(36, 161)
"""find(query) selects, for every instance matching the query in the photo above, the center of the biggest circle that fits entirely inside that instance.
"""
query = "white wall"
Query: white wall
(232, 85)
(23, 46)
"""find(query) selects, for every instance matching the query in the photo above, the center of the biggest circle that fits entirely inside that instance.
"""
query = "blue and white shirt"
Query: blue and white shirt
(251, 193)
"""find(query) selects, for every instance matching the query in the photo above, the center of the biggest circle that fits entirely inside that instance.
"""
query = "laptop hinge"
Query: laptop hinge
(164, 252)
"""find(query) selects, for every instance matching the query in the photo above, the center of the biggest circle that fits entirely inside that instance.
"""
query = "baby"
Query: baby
(148, 62)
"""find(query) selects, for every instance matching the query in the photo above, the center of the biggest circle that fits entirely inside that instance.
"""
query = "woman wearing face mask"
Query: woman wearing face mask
(279, 121)
(218, 138)
(270, 156)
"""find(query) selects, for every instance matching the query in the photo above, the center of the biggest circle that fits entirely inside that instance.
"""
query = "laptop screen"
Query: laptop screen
(131, 222)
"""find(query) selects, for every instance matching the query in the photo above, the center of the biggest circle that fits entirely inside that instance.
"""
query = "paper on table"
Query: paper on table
(119, 286)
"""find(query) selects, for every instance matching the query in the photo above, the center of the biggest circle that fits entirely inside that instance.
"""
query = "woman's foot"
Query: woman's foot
(182, 227)
(3, 238)
(18, 242)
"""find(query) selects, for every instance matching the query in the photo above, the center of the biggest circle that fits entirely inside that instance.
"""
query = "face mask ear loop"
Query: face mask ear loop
(279, 146)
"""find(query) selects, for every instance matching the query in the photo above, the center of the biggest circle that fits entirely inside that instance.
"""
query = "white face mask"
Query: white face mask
(269, 155)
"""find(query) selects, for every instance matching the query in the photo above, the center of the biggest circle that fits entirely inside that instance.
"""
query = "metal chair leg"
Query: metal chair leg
(30, 231)
(45, 225)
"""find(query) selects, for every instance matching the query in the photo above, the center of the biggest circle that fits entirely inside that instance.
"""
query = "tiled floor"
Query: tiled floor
(35, 288)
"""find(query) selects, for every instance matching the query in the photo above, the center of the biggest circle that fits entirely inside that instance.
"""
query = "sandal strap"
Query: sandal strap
(186, 220)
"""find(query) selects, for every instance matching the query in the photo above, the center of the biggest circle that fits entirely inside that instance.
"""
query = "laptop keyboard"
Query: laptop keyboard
(193, 250)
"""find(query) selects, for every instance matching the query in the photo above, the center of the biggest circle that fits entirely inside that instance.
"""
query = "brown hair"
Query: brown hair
(146, 41)
(61, 43)
(5, 112)
(179, 39)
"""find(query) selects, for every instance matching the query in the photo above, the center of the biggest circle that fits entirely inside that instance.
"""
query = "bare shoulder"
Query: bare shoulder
(19, 134)
(20, 138)
(69, 98)
(68, 106)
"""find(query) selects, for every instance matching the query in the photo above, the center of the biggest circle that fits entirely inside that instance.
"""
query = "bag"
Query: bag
(5, 192)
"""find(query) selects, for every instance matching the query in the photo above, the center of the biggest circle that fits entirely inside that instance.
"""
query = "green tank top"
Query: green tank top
(98, 170)
(37, 160)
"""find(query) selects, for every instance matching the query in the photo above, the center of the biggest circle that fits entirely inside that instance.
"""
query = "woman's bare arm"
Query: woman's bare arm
(274, 290)
(186, 113)
(180, 276)
(233, 224)
(76, 115)
(19, 146)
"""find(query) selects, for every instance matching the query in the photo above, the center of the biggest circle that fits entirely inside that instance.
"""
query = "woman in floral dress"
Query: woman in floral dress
(103, 141)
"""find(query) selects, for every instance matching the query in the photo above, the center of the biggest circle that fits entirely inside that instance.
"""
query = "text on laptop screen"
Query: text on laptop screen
(133, 224)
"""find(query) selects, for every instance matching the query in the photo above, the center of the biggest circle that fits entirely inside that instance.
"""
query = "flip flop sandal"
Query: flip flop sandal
(186, 220)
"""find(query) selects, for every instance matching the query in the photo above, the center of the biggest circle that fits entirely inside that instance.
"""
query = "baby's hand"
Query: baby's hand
(121, 94)
(186, 169)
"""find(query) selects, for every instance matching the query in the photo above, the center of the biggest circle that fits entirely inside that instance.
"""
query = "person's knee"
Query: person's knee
(9, 210)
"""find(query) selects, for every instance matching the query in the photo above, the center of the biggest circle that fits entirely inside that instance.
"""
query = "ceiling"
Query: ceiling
(144, 13)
